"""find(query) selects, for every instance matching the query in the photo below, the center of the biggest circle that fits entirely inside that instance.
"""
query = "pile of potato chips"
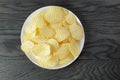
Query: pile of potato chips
(53, 35)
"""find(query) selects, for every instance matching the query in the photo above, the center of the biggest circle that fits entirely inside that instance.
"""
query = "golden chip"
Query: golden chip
(53, 61)
(67, 59)
(33, 38)
(47, 32)
(42, 13)
(37, 21)
(53, 43)
(74, 48)
(49, 61)
(54, 14)
(43, 61)
(76, 31)
(61, 34)
(41, 49)
(56, 26)
(63, 51)
(27, 46)
(65, 11)
(30, 29)
(65, 24)
(70, 18)
(26, 37)
(38, 39)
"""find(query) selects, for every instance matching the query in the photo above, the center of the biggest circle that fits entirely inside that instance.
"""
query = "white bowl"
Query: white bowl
(30, 55)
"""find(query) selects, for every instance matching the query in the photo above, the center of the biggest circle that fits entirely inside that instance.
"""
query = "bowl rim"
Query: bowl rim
(82, 42)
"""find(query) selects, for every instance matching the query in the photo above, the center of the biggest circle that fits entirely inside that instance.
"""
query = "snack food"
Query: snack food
(54, 36)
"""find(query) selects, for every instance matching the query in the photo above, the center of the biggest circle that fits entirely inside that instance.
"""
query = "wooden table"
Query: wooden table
(100, 58)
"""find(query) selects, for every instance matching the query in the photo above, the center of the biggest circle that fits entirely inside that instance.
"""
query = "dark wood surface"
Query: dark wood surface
(100, 58)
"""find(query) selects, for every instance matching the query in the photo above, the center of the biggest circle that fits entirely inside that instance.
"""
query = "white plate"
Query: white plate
(30, 55)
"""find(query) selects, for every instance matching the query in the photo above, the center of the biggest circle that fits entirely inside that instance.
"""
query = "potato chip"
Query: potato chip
(65, 11)
(67, 40)
(61, 34)
(53, 43)
(33, 38)
(27, 46)
(53, 61)
(76, 31)
(38, 39)
(42, 13)
(54, 14)
(65, 24)
(39, 21)
(29, 29)
(30, 37)
(25, 37)
(67, 59)
(63, 51)
(70, 18)
(74, 48)
(43, 61)
(49, 61)
(41, 49)
(29, 26)
(47, 32)
(56, 26)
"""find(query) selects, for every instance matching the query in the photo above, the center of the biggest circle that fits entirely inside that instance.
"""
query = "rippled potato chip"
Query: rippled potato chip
(41, 49)
(43, 61)
(61, 34)
(65, 24)
(53, 61)
(76, 31)
(69, 58)
(39, 21)
(26, 37)
(47, 32)
(49, 61)
(74, 47)
(29, 29)
(65, 11)
(27, 46)
(63, 51)
(42, 13)
(53, 43)
(54, 14)
(32, 37)
(70, 18)
(38, 39)
(67, 40)
(56, 26)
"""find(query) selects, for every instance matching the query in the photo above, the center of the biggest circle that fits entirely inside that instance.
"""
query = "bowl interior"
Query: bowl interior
(30, 55)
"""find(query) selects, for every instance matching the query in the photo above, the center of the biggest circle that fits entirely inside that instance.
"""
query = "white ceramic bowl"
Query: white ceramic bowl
(30, 55)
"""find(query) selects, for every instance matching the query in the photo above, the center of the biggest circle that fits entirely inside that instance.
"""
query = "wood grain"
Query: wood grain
(100, 58)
